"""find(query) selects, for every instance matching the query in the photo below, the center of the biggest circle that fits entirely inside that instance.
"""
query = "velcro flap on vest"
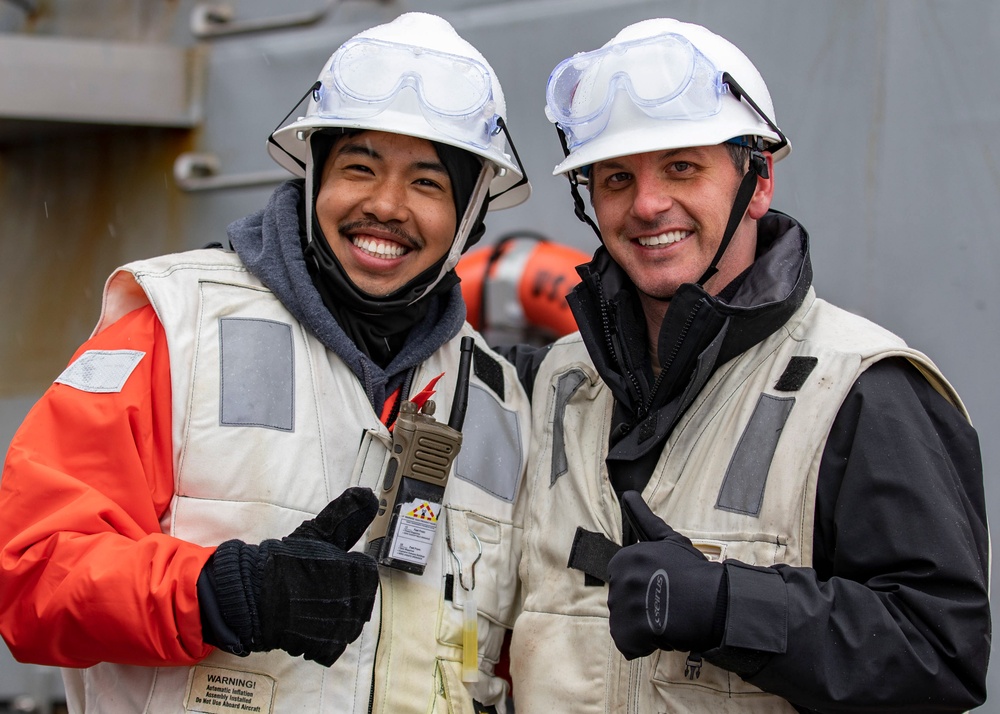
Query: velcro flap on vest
(795, 374)
(489, 371)
(591, 553)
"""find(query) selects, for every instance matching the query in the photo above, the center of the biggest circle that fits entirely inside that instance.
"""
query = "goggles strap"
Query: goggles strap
(743, 195)
(270, 139)
(579, 207)
(502, 126)
(741, 95)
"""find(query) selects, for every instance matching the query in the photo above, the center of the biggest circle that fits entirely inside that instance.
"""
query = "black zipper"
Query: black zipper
(610, 328)
(685, 329)
(610, 335)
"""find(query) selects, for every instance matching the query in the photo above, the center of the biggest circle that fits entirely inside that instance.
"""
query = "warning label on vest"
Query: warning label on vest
(214, 690)
(415, 531)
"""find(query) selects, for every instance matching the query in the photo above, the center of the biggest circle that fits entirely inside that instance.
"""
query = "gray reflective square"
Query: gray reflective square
(492, 451)
(257, 373)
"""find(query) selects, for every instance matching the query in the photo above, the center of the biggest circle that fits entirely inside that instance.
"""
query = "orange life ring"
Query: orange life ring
(515, 290)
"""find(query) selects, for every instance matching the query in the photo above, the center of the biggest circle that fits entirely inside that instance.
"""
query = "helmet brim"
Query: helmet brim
(653, 135)
(288, 148)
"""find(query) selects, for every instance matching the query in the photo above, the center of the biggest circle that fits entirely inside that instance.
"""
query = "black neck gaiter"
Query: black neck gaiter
(379, 326)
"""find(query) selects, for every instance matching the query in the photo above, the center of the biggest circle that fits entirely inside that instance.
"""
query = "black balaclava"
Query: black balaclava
(379, 325)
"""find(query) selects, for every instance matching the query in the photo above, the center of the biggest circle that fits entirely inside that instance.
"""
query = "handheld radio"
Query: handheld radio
(413, 485)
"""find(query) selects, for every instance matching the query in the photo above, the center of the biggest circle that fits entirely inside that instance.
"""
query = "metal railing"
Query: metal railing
(219, 19)
(203, 172)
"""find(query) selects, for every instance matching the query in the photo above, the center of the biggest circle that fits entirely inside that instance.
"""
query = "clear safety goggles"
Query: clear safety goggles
(665, 76)
(454, 93)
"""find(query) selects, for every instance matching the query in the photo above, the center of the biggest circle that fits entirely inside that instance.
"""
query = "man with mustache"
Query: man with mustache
(182, 515)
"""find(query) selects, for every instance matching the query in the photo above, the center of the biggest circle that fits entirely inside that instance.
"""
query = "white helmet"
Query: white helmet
(658, 84)
(414, 76)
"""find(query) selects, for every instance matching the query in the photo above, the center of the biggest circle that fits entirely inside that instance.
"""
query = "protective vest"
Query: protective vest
(737, 475)
(268, 427)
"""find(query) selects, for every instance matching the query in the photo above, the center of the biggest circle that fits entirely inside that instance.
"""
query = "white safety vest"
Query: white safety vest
(737, 475)
(268, 427)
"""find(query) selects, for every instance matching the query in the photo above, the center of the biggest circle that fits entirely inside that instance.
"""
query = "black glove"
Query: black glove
(663, 594)
(304, 594)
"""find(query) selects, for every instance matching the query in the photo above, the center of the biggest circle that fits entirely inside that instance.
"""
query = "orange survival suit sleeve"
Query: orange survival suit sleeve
(86, 574)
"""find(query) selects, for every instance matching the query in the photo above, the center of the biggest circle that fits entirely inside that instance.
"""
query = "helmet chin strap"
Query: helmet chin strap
(468, 221)
(579, 207)
(744, 194)
(757, 168)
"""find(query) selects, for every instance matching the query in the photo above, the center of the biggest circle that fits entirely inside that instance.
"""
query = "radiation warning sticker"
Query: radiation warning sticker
(418, 521)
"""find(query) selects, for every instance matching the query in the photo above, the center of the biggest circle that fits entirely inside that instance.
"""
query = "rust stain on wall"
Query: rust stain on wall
(72, 208)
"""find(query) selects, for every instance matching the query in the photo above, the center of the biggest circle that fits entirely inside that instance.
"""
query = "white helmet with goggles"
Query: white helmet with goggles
(659, 84)
(414, 76)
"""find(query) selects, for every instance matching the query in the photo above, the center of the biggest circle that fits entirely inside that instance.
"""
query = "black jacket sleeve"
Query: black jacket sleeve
(894, 615)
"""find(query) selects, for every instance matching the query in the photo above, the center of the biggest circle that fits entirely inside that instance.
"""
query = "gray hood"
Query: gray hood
(269, 242)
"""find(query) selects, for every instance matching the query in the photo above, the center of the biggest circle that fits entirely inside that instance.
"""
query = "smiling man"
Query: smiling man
(183, 514)
(740, 497)
(387, 208)
(663, 215)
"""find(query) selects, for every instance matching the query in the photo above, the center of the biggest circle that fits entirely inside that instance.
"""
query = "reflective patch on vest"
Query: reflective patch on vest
(257, 378)
(101, 371)
(492, 452)
(565, 388)
(214, 690)
(743, 487)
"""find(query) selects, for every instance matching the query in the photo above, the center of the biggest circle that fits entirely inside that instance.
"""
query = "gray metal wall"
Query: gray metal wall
(893, 109)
